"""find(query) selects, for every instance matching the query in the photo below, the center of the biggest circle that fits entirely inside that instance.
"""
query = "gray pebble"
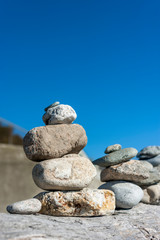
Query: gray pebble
(127, 194)
(116, 157)
(28, 206)
(113, 148)
(51, 106)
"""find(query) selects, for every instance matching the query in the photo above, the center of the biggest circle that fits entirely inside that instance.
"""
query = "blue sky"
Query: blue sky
(101, 57)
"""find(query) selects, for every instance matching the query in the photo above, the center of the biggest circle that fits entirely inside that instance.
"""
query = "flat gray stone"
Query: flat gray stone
(61, 113)
(138, 223)
(127, 194)
(149, 152)
(113, 148)
(155, 161)
(29, 206)
(132, 170)
(116, 157)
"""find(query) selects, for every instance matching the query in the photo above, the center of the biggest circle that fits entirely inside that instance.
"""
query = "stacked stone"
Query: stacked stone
(151, 188)
(123, 175)
(61, 171)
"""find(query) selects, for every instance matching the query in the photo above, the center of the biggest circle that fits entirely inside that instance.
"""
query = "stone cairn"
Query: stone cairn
(126, 177)
(61, 171)
(151, 187)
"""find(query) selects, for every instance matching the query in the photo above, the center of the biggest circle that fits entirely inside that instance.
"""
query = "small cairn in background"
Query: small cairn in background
(123, 175)
(61, 171)
(151, 187)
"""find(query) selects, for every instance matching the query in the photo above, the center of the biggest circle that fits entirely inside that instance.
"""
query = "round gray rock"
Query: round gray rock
(113, 148)
(127, 194)
(149, 152)
(51, 106)
(116, 157)
(59, 114)
(28, 206)
(67, 173)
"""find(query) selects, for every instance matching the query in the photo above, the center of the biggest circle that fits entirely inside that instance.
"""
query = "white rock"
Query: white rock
(70, 172)
(59, 114)
(28, 206)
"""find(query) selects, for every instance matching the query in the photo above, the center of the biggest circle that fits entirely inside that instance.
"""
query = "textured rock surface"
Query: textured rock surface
(59, 114)
(155, 161)
(113, 148)
(54, 141)
(152, 195)
(71, 172)
(133, 171)
(28, 206)
(116, 157)
(84, 203)
(149, 152)
(127, 194)
(138, 223)
(154, 177)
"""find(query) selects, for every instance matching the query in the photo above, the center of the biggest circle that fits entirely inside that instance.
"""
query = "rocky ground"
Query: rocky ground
(140, 222)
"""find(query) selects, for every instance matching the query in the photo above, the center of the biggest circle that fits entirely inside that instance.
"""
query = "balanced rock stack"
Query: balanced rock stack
(122, 174)
(151, 187)
(61, 171)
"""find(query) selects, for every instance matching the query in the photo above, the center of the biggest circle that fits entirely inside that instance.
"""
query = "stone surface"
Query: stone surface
(138, 223)
(152, 195)
(71, 172)
(127, 194)
(155, 161)
(54, 141)
(154, 177)
(116, 157)
(113, 148)
(28, 206)
(149, 152)
(132, 170)
(59, 114)
(84, 203)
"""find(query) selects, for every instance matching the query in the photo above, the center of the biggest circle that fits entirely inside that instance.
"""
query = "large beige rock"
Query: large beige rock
(133, 170)
(84, 203)
(54, 141)
(71, 172)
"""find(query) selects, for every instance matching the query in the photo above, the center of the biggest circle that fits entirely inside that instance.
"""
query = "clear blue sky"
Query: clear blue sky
(101, 57)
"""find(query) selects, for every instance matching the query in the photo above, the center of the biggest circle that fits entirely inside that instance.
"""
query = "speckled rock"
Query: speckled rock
(149, 152)
(154, 177)
(59, 114)
(113, 148)
(116, 157)
(155, 161)
(67, 173)
(152, 195)
(132, 170)
(54, 141)
(127, 194)
(29, 206)
(84, 203)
